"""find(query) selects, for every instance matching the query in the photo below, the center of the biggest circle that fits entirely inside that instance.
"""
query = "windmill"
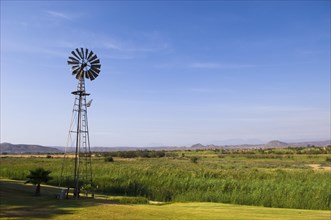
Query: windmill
(84, 65)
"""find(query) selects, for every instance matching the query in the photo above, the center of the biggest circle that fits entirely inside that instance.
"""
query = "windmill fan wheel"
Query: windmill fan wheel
(84, 64)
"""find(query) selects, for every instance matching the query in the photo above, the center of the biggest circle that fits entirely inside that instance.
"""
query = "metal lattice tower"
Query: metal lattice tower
(83, 166)
(77, 173)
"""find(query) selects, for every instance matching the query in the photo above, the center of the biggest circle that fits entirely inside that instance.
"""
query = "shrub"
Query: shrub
(194, 159)
(109, 159)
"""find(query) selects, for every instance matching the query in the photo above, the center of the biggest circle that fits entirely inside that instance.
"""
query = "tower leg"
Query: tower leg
(78, 141)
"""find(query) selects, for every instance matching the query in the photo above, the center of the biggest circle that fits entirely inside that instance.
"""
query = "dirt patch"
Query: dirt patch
(319, 167)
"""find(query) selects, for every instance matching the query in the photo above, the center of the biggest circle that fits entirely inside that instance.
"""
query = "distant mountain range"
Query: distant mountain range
(276, 144)
(38, 149)
(270, 144)
(26, 149)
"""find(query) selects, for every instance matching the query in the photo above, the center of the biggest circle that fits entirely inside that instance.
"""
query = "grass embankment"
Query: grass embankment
(270, 180)
(18, 202)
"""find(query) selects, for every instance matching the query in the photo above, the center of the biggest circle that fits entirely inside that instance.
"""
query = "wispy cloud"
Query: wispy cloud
(113, 45)
(204, 65)
(33, 48)
(57, 14)
(133, 47)
(148, 42)
(218, 65)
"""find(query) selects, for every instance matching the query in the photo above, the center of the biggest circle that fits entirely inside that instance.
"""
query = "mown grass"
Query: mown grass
(270, 180)
(18, 202)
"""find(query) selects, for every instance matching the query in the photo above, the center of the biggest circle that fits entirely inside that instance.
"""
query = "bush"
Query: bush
(194, 159)
(109, 159)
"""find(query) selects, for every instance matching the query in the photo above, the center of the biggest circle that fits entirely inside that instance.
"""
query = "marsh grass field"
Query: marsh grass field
(195, 184)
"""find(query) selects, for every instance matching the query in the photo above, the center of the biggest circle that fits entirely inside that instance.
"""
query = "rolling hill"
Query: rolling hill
(26, 149)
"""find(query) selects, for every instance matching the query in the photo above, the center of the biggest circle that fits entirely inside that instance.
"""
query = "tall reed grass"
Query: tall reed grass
(211, 179)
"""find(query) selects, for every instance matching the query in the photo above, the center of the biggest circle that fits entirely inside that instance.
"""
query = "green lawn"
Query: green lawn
(18, 202)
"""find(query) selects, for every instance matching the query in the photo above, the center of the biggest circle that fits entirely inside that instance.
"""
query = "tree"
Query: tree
(109, 159)
(194, 159)
(38, 176)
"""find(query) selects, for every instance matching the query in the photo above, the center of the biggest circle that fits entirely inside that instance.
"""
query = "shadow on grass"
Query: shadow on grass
(17, 200)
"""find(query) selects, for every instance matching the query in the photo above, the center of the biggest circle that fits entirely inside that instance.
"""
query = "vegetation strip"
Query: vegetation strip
(280, 178)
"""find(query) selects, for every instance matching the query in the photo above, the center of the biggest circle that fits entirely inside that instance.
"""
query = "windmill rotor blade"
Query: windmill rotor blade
(90, 54)
(87, 75)
(77, 76)
(95, 70)
(80, 55)
(74, 67)
(73, 58)
(86, 51)
(73, 53)
(73, 62)
(97, 66)
(80, 74)
(91, 75)
(95, 61)
(75, 72)
(94, 73)
(92, 58)
(82, 50)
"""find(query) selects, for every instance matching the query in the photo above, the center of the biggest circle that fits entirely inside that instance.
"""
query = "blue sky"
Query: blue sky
(173, 73)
